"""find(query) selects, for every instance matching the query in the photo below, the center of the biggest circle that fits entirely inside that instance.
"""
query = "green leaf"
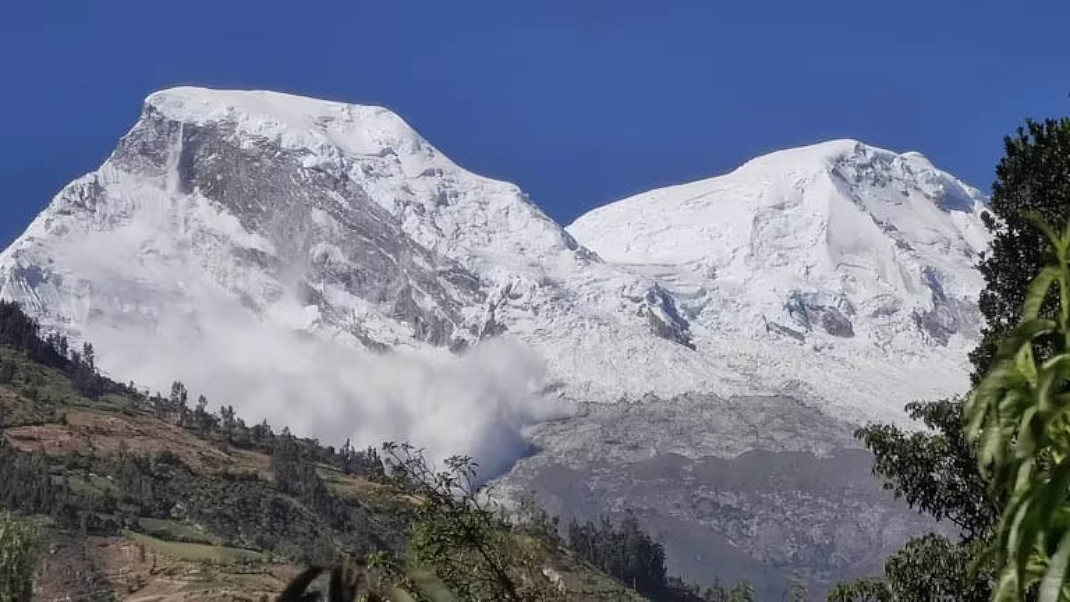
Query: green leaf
(1038, 291)
(431, 586)
(1024, 333)
(1007, 588)
(1052, 376)
(1025, 364)
(1045, 228)
(1052, 584)
(992, 445)
(396, 594)
(1027, 439)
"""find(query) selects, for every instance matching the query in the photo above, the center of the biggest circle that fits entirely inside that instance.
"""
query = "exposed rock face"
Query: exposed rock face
(809, 311)
(762, 489)
(665, 320)
(754, 317)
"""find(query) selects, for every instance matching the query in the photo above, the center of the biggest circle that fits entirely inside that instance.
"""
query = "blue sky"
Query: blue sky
(580, 102)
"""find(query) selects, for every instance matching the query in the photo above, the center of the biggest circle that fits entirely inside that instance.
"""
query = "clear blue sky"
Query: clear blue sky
(580, 102)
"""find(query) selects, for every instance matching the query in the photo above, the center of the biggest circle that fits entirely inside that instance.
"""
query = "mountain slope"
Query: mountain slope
(227, 217)
(832, 256)
(226, 226)
(840, 277)
(139, 499)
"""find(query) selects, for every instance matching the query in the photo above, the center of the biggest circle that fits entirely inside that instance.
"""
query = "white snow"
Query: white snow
(852, 226)
(858, 226)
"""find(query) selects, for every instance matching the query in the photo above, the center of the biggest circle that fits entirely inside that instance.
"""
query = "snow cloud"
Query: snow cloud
(476, 404)
(156, 315)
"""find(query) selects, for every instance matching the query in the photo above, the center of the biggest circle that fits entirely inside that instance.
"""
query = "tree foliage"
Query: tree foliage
(1020, 416)
(935, 568)
(414, 521)
(869, 589)
(934, 470)
(623, 551)
(360, 580)
(462, 539)
(1032, 178)
(18, 558)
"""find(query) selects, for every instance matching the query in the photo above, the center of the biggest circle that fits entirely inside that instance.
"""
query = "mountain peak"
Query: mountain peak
(190, 103)
(292, 121)
(880, 246)
(832, 153)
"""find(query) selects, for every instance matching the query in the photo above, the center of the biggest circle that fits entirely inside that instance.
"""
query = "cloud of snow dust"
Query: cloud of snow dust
(157, 317)
(475, 404)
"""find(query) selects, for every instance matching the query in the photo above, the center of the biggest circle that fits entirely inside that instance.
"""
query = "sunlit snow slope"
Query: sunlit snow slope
(843, 268)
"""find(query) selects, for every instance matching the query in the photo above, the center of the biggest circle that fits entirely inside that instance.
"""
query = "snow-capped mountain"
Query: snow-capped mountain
(342, 221)
(828, 264)
(322, 265)
(332, 219)
(841, 277)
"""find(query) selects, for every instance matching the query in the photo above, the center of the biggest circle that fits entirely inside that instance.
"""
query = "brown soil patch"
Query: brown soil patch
(138, 574)
(73, 570)
(89, 432)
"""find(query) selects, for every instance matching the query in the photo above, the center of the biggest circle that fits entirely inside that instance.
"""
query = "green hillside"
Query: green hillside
(139, 496)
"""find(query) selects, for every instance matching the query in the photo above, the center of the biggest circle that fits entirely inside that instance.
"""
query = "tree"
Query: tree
(1033, 178)
(177, 403)
(935, 470)
(935, 568)
(622, 551)
(18, 558)
(367, 580)
(870, 589)
(228, 422)
(796, 592)
(89, 356)
(262, 435)
(203, 421)
(179, 396)
(463, 541)
(741, 592)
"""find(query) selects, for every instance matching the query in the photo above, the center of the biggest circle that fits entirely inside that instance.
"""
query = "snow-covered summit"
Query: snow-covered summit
(841, 249)
(294, 120)
(439, 203)
(869, 229)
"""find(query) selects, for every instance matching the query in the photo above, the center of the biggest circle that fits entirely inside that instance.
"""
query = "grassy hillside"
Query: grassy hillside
(139, 497)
